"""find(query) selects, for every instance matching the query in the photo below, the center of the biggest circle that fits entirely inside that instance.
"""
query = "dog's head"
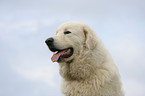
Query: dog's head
(70, 40)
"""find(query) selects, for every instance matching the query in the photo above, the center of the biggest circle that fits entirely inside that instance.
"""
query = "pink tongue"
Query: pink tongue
(55, 57)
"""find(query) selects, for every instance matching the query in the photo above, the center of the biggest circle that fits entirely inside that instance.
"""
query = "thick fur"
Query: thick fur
(91, 70)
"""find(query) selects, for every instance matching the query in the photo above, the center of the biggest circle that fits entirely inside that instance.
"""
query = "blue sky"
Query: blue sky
(25, 65)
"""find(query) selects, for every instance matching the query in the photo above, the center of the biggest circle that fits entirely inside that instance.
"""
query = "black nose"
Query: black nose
(49, 41)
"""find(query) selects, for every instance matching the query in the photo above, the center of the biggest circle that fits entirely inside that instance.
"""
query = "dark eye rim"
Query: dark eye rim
(67, 32)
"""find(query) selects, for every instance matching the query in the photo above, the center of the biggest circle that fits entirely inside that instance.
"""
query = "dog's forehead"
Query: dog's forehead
(70, 26)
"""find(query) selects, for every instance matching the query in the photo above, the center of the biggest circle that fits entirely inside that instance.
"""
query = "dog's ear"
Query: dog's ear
(90, 38)
(86, 34)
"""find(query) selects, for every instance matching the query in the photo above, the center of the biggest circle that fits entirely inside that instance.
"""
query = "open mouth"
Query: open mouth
(61, 55)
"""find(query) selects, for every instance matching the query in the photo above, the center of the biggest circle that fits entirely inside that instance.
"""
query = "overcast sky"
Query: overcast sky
(25, 65)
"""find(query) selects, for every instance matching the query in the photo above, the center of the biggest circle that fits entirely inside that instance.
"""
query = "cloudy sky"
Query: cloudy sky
(25, 65)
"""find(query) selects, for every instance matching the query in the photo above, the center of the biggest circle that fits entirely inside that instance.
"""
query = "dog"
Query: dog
(86, 66)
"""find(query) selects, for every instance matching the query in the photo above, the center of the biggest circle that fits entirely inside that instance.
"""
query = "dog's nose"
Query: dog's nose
(49, 41)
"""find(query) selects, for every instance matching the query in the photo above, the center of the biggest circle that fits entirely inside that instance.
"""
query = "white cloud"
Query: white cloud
(44, 74)
(128, 51)
(133, 87)
(25, 26)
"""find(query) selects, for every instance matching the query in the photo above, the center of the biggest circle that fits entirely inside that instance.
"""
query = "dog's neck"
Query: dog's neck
(81, 67)
(76, 69)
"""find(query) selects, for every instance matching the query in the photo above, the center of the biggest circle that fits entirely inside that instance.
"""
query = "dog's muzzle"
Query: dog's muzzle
(59, 54)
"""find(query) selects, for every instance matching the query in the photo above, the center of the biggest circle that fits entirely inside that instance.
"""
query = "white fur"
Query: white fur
(92, 71)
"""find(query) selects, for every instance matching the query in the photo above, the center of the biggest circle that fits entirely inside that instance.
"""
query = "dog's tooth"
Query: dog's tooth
(55, 52)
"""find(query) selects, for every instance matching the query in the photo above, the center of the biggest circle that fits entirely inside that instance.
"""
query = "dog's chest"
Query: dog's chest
(76, 88)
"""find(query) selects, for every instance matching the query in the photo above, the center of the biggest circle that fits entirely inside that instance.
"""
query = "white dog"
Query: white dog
(85, 65)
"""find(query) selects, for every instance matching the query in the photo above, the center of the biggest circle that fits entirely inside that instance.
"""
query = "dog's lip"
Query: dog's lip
(71, 52)
(55, 49)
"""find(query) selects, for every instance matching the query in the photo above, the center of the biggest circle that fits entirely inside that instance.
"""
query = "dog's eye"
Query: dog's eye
(67, 32)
